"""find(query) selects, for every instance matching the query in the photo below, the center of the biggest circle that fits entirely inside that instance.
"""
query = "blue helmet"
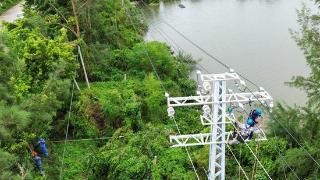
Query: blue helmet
(258, 111)
(250, 122)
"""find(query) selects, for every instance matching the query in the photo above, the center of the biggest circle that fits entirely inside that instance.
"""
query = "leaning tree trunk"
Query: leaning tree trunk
(75, 14)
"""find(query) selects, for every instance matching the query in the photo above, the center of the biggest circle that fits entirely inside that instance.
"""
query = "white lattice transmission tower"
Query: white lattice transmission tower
(214, 97)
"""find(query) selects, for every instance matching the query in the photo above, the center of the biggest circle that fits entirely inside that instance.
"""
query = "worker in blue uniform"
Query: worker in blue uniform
(255, 114)
(39, 150)
(252, 121)
(38, 162)
(43, 148)
(246, 130)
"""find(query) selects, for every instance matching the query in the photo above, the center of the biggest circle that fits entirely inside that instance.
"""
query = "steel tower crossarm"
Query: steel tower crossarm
(195, 139)
(208, 99)
(227, 76)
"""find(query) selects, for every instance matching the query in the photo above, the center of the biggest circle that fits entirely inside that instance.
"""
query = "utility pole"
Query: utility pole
(83, 67)
(213, 98)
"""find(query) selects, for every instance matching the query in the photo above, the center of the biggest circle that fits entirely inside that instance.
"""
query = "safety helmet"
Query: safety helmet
(250, 122)
(41, 140)
(258, 112)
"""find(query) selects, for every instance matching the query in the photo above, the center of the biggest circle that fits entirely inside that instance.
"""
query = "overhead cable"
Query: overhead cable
(155, 71)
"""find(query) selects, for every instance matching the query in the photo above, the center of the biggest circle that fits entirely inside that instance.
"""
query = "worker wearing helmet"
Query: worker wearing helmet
(252, 121)
(248, 128)
(245, 133)
(38, 163)
(43, 148)
(254, 115)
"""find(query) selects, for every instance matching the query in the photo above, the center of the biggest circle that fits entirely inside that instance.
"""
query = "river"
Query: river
(251, 36)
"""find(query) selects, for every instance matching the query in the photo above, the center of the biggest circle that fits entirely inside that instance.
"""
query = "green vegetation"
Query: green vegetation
(7, 4)
(38, 56)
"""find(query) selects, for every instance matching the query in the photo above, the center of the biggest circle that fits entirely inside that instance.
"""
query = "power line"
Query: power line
(201, 49)
(271, 116)
(196, 45)
(166, 40)
(169, 39)
(235, 158)
(67, 130)
(177, 127)
(265, 106)
(228, 67)
(76, 140)
(253, 154)
(223, 64)
(146, 52)
(284, 160)
(176, 44)
(194, 168)
(278, 150)
(180, 49)
(69, 140)
(154, 69)
(207, 53)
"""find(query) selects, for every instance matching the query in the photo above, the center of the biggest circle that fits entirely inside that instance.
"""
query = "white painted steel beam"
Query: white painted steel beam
(194, 139)
(219, 77)
(208, 100)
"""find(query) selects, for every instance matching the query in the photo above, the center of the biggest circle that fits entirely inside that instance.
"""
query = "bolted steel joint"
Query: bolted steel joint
(206, 110)
(206, 86)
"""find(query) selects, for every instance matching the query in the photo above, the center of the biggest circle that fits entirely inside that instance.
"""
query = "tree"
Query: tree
(308, 40)
(96, 21)
(40, 57)
(302, 122)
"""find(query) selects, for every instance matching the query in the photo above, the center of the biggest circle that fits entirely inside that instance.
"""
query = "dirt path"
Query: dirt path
(12, 14)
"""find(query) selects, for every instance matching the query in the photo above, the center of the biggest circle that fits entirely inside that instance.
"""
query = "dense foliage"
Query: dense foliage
(125, 105)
